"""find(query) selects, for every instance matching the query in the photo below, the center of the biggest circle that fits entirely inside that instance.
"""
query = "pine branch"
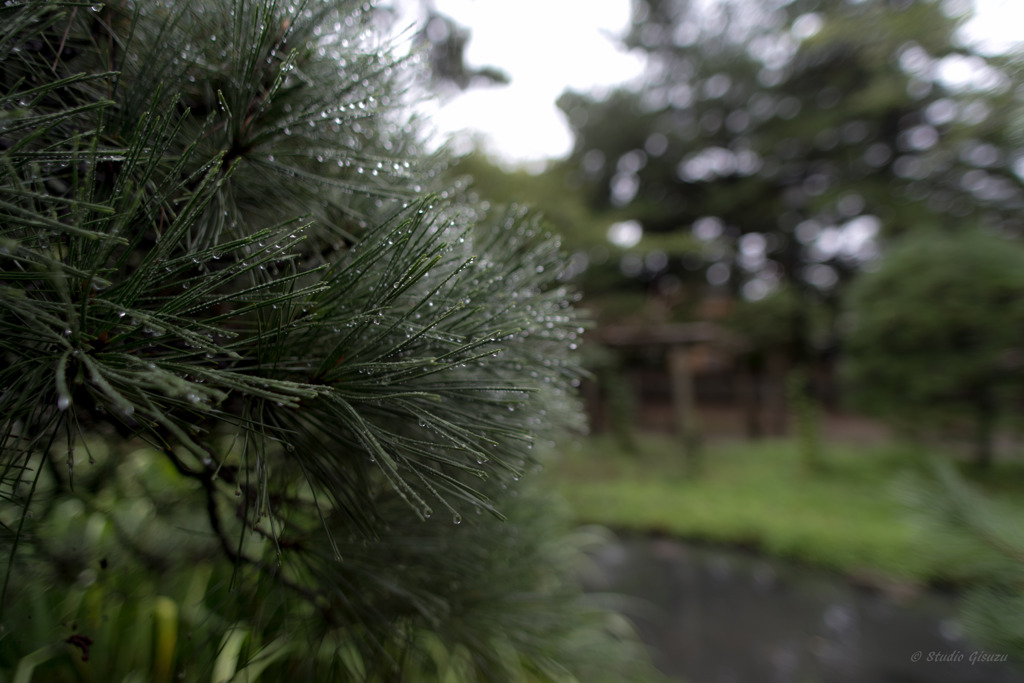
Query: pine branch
(217, 237)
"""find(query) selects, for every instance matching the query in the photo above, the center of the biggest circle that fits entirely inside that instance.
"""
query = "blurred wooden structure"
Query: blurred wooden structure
(687, 348)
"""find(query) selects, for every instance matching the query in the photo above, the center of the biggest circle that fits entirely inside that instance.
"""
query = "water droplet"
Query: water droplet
(63, 403)
(457, 518)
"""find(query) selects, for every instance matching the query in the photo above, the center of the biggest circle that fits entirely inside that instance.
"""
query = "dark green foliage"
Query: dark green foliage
(935, 332)
(226, 296)
(562, 206)
(800, 129)
(769, 324)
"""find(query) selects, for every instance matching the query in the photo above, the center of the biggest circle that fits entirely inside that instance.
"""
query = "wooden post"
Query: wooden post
(748, 397)
(775, 393)
(683, 404)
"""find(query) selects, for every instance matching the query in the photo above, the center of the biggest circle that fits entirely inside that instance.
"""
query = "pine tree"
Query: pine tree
(268, 386)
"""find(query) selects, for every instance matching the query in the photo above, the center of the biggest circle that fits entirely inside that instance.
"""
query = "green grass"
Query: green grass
(851, 516)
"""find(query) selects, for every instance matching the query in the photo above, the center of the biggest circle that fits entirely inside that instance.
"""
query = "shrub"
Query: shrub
(937, 332)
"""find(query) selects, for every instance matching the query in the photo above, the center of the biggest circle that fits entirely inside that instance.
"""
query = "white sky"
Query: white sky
(547, 46)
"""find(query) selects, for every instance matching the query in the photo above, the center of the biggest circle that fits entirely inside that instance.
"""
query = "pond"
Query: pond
(722, 616)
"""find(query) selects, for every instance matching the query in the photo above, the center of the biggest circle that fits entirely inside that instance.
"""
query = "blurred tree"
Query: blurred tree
(565, 210)
(442, 43)
(937, 333)
(446, 43)
(787, 136)
(609, 272)
(235, 329)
